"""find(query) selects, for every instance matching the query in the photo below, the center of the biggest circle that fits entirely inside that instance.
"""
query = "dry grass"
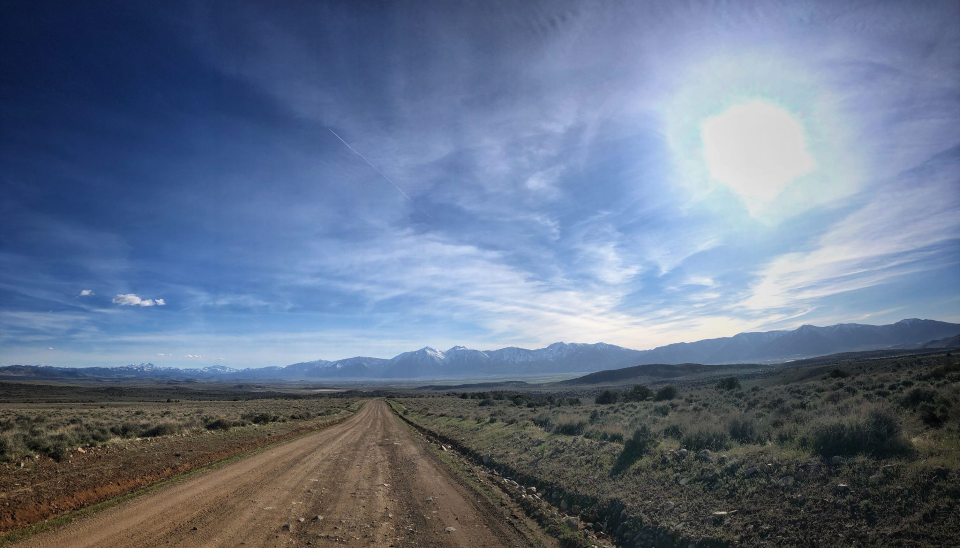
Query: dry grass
(899, 413)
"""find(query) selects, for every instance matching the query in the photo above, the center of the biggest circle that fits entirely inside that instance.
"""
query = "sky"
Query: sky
(253, 184)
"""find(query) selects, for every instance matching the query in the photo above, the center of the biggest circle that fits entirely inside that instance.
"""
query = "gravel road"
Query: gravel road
(369, 481)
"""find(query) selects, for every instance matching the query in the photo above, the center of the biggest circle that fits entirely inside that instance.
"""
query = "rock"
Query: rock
(836, 461)
(300, 520)
(668, 505)
(750, 471)
(429, 499)
(684, 481)
(450, 530)
(683, 453)
(317, 517)
(575, 509)
(531, 490)
(722, 459)
(843, 488)
(719, 517)
(80, 450)
(887, 469)
(286, 527)
(487, 458)
(572, 523)
(705, 455)
(786, 481)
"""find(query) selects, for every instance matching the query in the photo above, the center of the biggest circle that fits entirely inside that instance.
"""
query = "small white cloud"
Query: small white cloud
(49, 348)
(192, 356)
(86, 293)
(129, 299)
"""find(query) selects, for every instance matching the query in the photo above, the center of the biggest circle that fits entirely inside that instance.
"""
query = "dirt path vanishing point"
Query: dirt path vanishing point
(371, 481)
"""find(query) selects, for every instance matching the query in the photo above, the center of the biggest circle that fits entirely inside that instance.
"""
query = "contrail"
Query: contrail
(378, 171)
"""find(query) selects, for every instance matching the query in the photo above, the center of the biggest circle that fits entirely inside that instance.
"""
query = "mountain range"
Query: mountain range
(558, 358)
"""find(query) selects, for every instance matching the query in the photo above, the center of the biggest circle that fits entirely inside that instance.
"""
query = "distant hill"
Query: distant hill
(949, 342)
(804, 342)
(657, 371)
(807, 341)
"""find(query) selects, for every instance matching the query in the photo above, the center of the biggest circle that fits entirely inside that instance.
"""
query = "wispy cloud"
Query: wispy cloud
(902, 229)
(130, 299)
(548, 189)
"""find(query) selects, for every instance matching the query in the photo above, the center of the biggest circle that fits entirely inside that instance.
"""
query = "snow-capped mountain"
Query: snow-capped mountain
(804, 342)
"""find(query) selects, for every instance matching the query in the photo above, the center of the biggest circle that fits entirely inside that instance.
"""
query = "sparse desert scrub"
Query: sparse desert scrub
(30, 429)
(807, 451)
(66, 455)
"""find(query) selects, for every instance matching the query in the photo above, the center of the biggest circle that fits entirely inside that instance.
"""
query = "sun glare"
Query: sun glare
(756, 149)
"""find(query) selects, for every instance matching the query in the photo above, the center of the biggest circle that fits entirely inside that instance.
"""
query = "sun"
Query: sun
(757, 149)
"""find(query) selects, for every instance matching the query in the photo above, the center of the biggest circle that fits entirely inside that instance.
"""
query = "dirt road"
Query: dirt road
(366, 482)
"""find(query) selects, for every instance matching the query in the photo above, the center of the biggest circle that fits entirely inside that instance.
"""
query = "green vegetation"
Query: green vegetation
(870, 448)
(56, 429)
(668, 392)
(728, 383)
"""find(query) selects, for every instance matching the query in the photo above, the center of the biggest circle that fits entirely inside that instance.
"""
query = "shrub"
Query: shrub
(570, 428)
(743, 429)
(163, 429)
(127, 429)
(663, 410)
(259, 418)
(666, 393)
(8, 448)
(728, 383)
(943, 370)
(543, 421)
(89, 434)
(635, 447)
(934, 415)
(919, 395)
(639, 392)
(60, 446)
(614, 436)
(838, 374)
(219, 423)
(715, 440)
(674, 431)
(878, 435)
(608, 397)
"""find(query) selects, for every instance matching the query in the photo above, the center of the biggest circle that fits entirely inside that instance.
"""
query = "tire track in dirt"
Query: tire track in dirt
(370, 478)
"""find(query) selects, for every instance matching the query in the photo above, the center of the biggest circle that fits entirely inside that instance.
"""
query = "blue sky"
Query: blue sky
(635, 173)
